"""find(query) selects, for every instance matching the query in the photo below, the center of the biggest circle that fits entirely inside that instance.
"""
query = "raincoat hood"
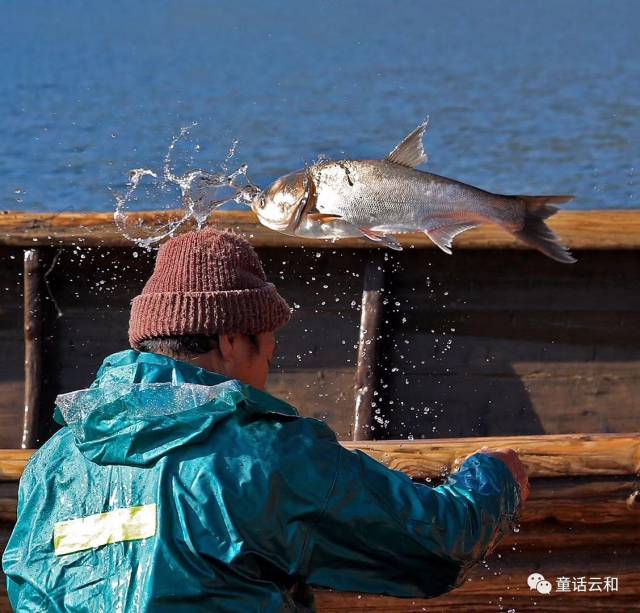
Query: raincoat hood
(144, 405)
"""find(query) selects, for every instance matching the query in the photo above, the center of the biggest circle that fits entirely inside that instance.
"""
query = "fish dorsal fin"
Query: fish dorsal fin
(443, 235)
(410, 152)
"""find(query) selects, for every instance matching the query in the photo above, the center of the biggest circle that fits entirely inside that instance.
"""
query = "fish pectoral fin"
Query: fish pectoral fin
(410, 152)
(387, 241)
(443, 235)
(323, 217)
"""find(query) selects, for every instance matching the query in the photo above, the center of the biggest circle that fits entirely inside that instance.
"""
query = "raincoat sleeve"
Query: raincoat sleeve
(380, 532)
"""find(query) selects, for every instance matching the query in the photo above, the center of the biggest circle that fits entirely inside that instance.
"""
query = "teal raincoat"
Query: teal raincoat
(173, 489)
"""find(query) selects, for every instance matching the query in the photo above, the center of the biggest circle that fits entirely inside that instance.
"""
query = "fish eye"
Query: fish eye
(262, 202)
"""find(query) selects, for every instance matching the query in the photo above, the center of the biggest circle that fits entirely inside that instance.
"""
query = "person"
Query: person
(178, 484)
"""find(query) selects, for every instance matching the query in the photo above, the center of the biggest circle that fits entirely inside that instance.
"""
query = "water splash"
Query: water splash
(200, 193)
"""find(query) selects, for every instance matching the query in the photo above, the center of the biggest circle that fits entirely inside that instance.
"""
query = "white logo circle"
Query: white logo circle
(544, 587)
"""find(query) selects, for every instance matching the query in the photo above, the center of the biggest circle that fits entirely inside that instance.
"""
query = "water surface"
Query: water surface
(524, 97)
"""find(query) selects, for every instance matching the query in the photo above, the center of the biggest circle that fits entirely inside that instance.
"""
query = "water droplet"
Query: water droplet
(201, 192)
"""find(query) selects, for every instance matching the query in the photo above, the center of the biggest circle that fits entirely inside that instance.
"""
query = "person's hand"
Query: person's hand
(517, 468)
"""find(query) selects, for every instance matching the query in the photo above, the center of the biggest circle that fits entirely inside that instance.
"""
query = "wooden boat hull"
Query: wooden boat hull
(496, 345)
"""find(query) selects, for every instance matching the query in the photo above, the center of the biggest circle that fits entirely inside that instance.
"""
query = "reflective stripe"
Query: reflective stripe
(128, 524)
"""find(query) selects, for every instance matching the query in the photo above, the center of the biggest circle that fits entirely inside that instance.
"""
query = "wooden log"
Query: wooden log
(551, 455)
(33, 345)
(596, 498)
(368, 348)
(578, 229)
(554, 455)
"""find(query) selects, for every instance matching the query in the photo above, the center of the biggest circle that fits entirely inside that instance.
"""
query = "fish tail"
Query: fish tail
(537, 233)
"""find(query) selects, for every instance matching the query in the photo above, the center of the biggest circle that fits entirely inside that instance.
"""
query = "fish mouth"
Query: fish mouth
(273, 224)
(304, 205)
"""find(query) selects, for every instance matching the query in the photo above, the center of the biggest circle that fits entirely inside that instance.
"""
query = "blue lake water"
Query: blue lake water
(524, 97)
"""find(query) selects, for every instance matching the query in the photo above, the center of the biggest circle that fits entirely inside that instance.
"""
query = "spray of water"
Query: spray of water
(201, 192)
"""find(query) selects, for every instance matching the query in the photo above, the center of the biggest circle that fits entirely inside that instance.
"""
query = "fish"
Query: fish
(377, 199)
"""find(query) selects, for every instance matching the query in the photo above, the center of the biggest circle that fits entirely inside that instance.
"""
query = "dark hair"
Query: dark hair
(190, 344)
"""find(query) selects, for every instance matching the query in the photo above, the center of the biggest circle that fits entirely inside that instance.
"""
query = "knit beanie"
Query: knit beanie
(206, 282)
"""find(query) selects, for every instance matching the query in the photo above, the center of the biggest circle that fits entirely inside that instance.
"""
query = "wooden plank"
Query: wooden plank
(12, 397)
(321, 393)
(512, 344)
(569, 364)
(503, 355)
(315, 363)
(12, 343)
(575, 326)
(578, 229)
(530, 398)
(369, 348)
(513, 281)
(8, 502)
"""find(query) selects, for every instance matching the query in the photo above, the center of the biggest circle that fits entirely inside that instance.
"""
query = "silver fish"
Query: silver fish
(378, 198)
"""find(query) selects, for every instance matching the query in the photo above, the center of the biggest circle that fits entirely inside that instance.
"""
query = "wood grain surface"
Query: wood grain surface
(565, 455)
(578, 229)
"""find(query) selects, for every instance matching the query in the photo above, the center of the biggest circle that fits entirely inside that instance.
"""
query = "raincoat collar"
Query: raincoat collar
(143, 405)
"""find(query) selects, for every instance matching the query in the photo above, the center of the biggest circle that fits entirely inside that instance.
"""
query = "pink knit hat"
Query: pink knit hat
(206, 282)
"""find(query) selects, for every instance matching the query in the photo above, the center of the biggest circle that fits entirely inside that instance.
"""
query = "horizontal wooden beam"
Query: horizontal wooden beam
(578, 229)
(549, 455)
(576, 479)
